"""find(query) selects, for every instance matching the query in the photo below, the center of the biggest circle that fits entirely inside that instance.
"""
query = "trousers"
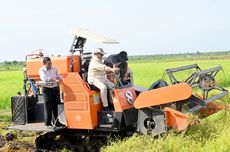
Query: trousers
(103, 85)
(51, 99)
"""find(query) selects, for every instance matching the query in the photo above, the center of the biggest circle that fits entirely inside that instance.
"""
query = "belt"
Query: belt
(51, 88)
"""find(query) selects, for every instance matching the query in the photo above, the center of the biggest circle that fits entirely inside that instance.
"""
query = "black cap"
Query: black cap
(124, 55)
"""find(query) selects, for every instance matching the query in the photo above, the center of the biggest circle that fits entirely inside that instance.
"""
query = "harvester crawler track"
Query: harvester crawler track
(76, 140)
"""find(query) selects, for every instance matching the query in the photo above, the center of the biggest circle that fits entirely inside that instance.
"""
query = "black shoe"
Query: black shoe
(58, 124)
(111, 107)
(107, 108)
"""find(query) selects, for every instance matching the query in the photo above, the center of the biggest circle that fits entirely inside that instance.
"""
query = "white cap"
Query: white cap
(99, 50)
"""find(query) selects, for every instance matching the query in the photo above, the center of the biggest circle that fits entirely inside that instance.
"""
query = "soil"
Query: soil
(9, 144)
(22, 141)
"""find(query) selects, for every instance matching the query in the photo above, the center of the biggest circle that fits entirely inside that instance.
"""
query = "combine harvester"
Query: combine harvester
(136, 109)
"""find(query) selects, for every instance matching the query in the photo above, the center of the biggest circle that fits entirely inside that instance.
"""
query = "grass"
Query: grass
(11, 82)
(147, 72)
(11, 67)
(211, 135)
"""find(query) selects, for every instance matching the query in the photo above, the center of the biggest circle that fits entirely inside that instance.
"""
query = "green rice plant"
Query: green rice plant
(147, 72)
(211, 135)
(11, 82)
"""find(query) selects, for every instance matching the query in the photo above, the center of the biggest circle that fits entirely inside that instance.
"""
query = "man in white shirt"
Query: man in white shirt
(97, 75)
(49, 74)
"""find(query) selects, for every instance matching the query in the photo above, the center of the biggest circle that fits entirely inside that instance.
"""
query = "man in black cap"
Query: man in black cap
(120, 60)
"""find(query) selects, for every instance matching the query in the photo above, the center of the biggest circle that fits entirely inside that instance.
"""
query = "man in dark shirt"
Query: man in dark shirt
(119, 60)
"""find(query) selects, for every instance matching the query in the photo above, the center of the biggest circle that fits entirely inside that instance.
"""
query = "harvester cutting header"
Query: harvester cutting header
(131, 109)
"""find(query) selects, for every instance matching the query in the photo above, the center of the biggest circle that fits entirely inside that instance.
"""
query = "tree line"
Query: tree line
(210, 55)
(14, 63)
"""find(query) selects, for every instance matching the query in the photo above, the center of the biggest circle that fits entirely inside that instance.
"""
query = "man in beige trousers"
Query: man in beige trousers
(97, 75)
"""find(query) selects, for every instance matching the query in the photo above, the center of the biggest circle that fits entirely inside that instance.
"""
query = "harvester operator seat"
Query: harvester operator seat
(93, 87)
(85, 60)
(86, 57)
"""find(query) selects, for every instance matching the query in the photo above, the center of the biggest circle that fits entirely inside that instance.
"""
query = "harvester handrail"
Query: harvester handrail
(183, 68)
(214, 69)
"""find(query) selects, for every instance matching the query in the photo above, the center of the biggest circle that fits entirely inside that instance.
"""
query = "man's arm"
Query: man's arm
(114, 69)
(59, 77)
(103, 67)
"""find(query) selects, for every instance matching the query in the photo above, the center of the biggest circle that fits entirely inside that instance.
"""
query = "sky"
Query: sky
(142, 27)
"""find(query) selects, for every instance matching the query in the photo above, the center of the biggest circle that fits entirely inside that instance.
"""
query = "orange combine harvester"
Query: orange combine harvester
(147, 111)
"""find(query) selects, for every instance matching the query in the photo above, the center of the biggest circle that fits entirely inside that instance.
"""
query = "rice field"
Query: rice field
(11, 82)
(148, 71)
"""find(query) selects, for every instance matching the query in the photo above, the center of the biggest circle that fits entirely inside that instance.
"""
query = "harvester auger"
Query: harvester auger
(136, 109)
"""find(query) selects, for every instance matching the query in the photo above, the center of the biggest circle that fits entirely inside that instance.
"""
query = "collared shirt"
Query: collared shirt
(48, 74)
(96, 70)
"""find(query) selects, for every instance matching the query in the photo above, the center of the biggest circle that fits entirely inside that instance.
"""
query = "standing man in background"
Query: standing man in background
(48, 73)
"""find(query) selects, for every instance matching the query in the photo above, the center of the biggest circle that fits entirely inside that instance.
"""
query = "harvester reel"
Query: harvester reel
(207, 82)
(202, 79)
